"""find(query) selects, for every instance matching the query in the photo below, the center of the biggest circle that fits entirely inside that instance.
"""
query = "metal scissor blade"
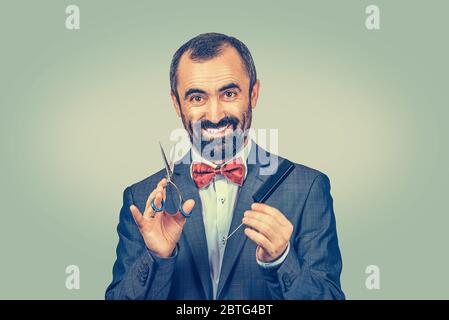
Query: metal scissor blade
(167, 165)
(172, 160)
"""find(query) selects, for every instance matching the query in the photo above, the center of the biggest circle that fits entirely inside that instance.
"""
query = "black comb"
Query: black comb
(273, 182)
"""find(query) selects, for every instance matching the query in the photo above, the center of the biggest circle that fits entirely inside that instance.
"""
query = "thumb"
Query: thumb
(187, 207)
(138, 217)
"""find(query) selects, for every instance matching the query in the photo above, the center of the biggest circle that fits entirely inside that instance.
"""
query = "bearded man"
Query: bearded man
(288, 247)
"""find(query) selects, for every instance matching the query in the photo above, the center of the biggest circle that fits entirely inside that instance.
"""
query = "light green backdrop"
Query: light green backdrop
(81, 112)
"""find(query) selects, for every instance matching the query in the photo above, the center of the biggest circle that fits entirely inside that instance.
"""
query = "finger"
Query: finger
(149, 199)
(164, 192)
(272, 211)
(138, 217)
(259, 239)
(261, 227)
(162, 183)
(187, 207)
(159, 187)
(149, 212)
(158, 199)
(280, 233)
(157, 204)
(265, 218)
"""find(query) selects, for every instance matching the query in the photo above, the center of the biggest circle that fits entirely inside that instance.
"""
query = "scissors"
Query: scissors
(169, 167)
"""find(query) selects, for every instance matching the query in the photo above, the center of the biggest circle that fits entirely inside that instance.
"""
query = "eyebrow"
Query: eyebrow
(223, 88)
(192, 91)
(230, 86)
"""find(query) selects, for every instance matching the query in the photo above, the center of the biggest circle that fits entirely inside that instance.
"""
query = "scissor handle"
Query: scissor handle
(180, 201)
(156, 209)
(162, 208)
(183, 213)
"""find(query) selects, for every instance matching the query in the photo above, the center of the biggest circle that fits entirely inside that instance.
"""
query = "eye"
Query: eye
(196, 98)
(230, 94)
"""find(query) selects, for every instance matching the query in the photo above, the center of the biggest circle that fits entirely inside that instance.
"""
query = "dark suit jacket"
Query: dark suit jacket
(311, 269)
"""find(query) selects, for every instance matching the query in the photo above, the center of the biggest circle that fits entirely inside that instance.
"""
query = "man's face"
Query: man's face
(215, 105)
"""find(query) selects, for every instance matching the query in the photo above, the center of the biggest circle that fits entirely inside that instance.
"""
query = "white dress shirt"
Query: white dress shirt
(218, 200)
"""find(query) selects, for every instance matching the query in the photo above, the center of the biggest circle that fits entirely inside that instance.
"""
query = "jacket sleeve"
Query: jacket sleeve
(137, 273)
(312, 269)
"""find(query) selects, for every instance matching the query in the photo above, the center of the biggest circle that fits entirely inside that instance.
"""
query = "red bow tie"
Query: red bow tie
(233, 171)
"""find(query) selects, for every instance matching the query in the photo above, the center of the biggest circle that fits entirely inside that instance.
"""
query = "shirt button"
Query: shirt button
(223, 240)
(222, 200)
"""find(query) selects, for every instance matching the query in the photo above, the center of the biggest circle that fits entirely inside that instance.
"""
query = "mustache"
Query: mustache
(228, 120)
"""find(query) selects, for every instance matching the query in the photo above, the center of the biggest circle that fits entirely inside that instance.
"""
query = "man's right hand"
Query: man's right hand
(160, 231)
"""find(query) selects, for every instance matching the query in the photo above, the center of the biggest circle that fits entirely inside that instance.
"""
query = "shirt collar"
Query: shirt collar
(242, 153)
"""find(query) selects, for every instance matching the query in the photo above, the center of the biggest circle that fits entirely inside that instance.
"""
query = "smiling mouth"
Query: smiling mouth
(217, 132)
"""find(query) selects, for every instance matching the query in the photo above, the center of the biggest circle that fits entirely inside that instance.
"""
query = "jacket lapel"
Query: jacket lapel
(193, 232)
(244, 200)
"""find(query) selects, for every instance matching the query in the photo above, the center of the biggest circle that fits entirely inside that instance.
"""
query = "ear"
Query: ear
(175, 104)
(255, 93)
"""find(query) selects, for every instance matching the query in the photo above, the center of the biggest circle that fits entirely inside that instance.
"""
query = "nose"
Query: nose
(215, 111)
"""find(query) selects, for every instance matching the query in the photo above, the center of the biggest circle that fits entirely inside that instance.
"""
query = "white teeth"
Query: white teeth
(215, 131)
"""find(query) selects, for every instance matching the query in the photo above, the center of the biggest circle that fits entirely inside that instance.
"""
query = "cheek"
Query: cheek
(195, 114)
(236, 107)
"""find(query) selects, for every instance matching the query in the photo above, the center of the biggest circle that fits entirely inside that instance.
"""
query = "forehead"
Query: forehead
(228, 66)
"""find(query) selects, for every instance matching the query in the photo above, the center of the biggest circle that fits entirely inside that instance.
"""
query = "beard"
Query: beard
(233, 136)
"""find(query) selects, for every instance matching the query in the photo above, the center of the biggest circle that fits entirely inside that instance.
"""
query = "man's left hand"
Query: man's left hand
(272, 231)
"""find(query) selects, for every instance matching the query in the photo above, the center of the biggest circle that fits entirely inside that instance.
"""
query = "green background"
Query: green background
(81, 112)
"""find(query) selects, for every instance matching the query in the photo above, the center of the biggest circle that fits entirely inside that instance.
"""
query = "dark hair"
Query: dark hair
(207, 46)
